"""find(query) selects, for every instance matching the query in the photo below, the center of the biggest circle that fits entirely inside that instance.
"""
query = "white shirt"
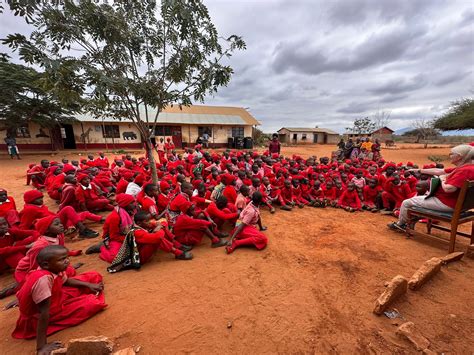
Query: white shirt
(133, 189)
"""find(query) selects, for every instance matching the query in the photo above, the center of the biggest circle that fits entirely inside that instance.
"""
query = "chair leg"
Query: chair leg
(429, 224)
(472, 232)
(452, 239)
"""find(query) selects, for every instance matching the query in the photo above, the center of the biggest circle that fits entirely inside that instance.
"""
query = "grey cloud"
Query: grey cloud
(393, 98)
(467, 18)
(356, 107)
(347, 13)
(402, 85)
(319, 62)
(378, 49)
(452, 78)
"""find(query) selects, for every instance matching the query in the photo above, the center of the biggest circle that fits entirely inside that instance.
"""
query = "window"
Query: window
(238, 132)
(303, 136)
(161, 131)
(206, 129)
(23, 132)
(111, 131)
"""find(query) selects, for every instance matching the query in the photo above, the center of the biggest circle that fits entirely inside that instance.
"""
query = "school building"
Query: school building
(300, 135)
(381, 133)
(183, 126)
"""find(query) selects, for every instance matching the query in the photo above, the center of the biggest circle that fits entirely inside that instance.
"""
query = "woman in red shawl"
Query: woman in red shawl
(50, 301)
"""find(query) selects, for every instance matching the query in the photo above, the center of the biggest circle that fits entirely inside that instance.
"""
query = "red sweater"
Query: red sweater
(350, 199)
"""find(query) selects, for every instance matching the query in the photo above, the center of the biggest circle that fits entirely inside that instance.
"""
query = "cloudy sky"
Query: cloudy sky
(324, 63)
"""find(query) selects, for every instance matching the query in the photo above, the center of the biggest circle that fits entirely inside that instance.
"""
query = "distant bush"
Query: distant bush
(437, 158)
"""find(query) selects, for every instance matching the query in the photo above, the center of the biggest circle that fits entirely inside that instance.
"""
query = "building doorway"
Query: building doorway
(295, 138)
(315, 138)
(67, 134)
(177, 136)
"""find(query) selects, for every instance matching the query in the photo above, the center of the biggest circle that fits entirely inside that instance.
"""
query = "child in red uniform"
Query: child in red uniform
(51, 232)
(169, 146)
(50, 301)
(229, 190)
(222, 211)
(349, 199)
(13, 245)
(330, 193)
(148, 201)
(151, 237)
(68, 193)
(188, 229)
(245, 233)
(395, 193)
(8, 208)
(101, 161)
(37, 174)
(163, 199)
(371, 192)
(117, 224)
(35, 209)
(242, 198)
(287, 197)
(89, 196)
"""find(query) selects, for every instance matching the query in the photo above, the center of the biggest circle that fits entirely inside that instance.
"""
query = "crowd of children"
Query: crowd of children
(197, 194)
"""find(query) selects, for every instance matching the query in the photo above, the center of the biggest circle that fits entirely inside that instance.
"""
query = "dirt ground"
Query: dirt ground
(312, 290)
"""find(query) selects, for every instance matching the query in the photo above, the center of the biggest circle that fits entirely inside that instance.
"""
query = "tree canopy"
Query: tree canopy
(23, 99)
(362, 125)
(460, 116)
(127, 58)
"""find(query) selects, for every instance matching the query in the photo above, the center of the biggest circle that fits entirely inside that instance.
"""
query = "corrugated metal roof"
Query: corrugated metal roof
(211, 115)
(308, 129)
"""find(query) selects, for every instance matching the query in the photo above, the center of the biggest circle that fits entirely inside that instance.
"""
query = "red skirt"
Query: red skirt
(252, 236)
(77, 305)
(188, 230)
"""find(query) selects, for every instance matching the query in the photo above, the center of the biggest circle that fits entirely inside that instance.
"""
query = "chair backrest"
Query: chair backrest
(468, 202)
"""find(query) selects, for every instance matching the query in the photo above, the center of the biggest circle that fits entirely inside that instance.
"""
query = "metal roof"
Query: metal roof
(177, 118)
(308, 129)
(201, 115)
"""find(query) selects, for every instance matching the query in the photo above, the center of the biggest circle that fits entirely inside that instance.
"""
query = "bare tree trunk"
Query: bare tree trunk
(151, 160)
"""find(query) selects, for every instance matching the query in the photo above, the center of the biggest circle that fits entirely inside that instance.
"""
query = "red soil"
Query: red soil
(312, 289)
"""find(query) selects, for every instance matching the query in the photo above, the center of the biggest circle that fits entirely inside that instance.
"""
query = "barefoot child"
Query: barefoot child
(50, 301)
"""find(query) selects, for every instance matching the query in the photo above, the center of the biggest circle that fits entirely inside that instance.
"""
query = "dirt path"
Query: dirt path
(312, 290)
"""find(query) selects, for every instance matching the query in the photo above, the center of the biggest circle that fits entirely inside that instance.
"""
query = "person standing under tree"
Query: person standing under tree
(11, 146)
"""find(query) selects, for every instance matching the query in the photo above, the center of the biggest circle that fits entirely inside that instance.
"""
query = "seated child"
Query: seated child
(50, 301)
(372, 193)
(221, 211)
(349, 199)
(245, 233)
(242, 198)
(13, 245)
(35, 209)
(51, 232)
